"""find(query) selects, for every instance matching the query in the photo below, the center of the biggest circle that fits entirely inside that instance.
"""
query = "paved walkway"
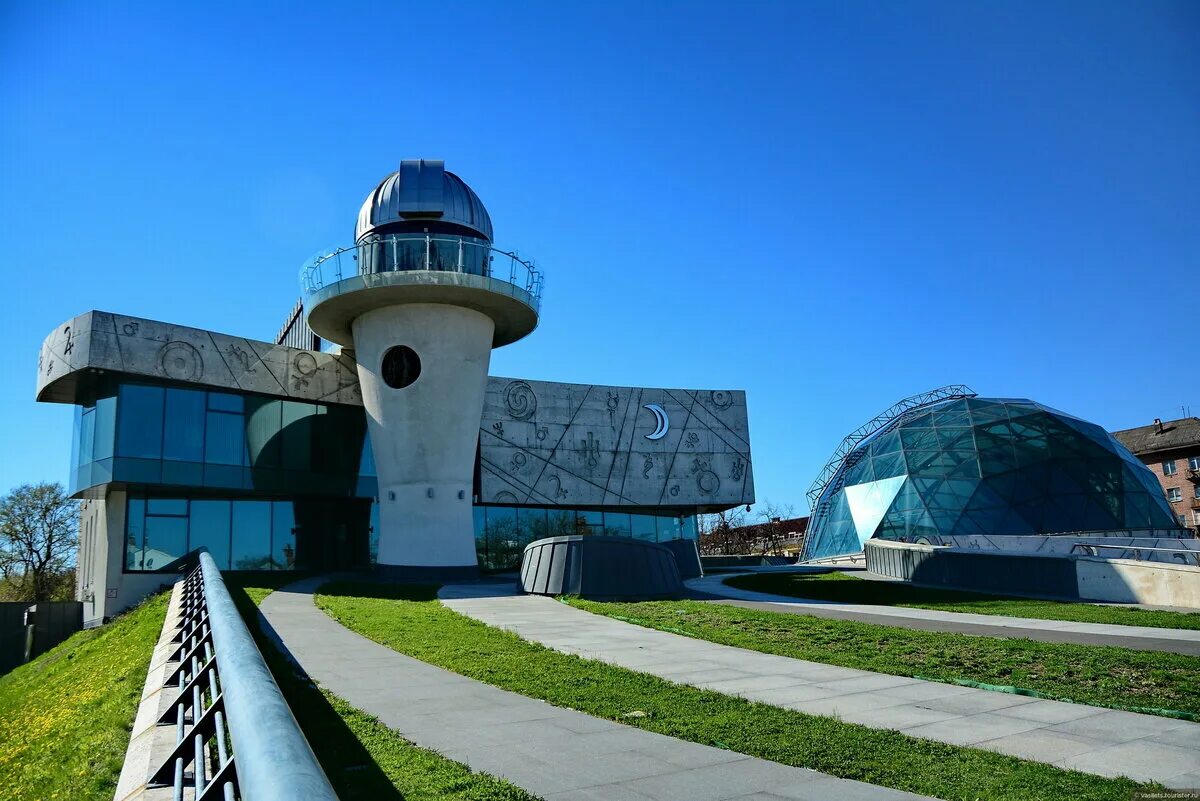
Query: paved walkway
(1100, 741)
(553, 752)
(1142, 638)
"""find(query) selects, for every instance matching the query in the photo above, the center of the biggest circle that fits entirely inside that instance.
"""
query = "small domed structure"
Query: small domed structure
(984, 466)
(423, 196)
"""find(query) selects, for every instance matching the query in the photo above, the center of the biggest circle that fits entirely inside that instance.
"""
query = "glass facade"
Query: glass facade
(272, 484)
(984, 466)
(502, 532)
(144, 434)
(247, 534)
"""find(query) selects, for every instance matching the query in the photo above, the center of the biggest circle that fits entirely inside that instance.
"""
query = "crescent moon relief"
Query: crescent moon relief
(660, 416)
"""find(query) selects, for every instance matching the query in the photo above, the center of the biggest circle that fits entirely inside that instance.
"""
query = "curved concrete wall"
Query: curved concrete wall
(616, 568)
(1059, 576)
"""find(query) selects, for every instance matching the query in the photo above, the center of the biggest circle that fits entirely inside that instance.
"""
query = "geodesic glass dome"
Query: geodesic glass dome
(994, 466)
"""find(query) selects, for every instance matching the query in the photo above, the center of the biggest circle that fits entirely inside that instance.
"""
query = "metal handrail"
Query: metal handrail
(1090, 548)
(469, 255)
(233, 726)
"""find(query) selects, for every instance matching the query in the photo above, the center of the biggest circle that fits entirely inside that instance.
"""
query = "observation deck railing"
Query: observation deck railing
(233, 727)
(505, 272)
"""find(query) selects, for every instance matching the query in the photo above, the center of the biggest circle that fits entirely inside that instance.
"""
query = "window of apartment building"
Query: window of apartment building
(1194, 462)
(1173, 494)
(1169, 467)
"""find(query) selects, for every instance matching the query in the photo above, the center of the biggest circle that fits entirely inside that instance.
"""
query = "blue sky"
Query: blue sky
(829, 205)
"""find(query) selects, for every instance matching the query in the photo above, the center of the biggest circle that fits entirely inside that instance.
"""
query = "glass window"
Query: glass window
(167, 506)
(669, 528)
(644, 527)
(141, 419)
(223, 402)
(590, 523)
(183, 434)
(1194, 462)
(106, 427)
(1196, 491)
(166, 541)
(1173, 494)
(689, 528)
(87, 436)
(251, 535)
(134, 533)
(283, 536)
(297, 434)
(224, 439)
(616, 524)
(210, 529)
(1168, 467)
(501, 537)
(560, 523)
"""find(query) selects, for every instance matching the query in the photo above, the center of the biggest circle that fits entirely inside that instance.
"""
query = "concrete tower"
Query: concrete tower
(422, 298)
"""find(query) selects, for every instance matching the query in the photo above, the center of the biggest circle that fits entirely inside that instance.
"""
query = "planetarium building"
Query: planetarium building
(951, 468)
(369, 433)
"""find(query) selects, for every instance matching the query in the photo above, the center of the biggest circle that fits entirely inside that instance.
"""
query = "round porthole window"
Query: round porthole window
(401, 366)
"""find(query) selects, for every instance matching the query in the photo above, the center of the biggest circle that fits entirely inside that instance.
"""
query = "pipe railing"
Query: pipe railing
(234, 729)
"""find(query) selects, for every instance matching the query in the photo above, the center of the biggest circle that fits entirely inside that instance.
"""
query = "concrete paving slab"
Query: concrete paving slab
(550, 751)
(1007, 723)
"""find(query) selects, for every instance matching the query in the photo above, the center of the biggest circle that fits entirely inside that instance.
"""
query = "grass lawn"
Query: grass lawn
(848, 588)
(411, 621)
(65, 717)
(363, 758)
(1091, 674)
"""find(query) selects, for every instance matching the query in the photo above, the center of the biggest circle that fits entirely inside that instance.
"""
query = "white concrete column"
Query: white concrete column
(424, 435)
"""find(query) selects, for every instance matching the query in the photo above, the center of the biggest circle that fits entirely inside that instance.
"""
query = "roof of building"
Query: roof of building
(1171, 435)
(423, 189)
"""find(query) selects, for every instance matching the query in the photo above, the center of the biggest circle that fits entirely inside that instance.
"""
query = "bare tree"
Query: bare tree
(775, 529)
(38, 538)
(721, 533)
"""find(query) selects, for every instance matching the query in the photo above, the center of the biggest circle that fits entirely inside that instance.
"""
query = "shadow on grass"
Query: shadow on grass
(351, 769)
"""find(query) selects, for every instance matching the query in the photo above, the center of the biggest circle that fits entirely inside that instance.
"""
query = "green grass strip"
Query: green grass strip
(363, 758)
(1091, 674)
(1007, 688)
(411, 621)
(65, 717)
(848, 588)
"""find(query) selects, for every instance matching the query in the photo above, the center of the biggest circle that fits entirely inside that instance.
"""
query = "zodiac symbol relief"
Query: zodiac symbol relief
(305, 365)
(519, 400)
(647, 466)
(518, 461)
(70, 342)
(739, 468)
(590, 448)
(240, 356)
(498, 427)
(721, 399)
(611, 403)
(706, 480)
(542, 433)
(559, 492)
(674, 490)
(693, 439)
(130, 329)
(180, 360)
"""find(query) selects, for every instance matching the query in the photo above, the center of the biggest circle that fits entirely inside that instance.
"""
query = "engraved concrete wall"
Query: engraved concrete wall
(113, 342)
(579, 445)
(541, 442)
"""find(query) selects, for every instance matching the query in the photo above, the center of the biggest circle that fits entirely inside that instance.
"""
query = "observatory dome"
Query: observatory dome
(421, 192)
